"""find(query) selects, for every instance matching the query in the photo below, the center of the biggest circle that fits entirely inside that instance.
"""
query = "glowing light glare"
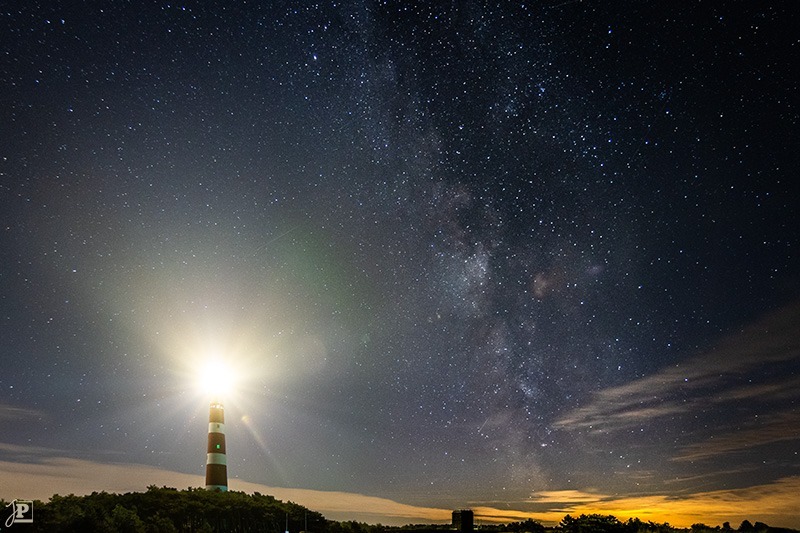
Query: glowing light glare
(216, 378)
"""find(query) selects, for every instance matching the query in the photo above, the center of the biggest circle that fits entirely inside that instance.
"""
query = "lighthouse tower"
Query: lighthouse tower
(216, 461)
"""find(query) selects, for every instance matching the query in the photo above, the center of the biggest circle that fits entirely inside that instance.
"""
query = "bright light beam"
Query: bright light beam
(216, 379)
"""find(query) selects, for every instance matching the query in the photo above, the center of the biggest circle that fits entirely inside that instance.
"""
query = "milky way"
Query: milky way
(470, 255)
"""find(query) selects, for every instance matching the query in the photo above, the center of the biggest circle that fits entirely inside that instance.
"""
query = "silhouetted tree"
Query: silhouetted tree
(702, 528)
(126, 520)
(528, 526)
(593, 523)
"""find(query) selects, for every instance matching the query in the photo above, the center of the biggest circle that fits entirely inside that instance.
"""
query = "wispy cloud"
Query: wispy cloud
(768, 429)
(566, 496)
(27, 454)
(504, 516)
(350, 506)
(774, 503)
(61, 475)
(714, 378)
(9, 412)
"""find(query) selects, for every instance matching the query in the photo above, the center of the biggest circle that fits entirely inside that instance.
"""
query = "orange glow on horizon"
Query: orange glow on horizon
(772, 503)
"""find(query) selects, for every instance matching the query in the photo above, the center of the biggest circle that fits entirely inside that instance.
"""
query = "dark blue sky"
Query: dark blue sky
(528, 257)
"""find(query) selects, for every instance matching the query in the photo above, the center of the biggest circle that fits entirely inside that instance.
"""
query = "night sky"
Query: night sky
(526, 258)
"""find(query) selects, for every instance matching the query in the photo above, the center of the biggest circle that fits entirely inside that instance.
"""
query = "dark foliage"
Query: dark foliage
(168, 510)
(594, 523)
(609, 524)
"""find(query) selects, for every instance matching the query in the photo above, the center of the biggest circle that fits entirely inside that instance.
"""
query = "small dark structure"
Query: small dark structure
(463, 520)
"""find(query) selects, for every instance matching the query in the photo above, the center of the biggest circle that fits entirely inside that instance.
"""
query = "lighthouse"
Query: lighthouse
(216, 461)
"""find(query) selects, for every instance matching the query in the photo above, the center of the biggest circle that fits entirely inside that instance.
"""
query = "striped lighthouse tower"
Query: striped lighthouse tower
(216, 462)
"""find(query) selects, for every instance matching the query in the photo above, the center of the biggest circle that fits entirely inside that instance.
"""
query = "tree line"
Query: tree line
(595, 523)
(168, 510)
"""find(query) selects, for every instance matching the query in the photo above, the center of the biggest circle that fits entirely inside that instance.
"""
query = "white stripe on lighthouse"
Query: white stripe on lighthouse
(216, 459)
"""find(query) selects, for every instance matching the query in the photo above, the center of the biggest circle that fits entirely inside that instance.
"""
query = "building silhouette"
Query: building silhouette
(463, 520)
